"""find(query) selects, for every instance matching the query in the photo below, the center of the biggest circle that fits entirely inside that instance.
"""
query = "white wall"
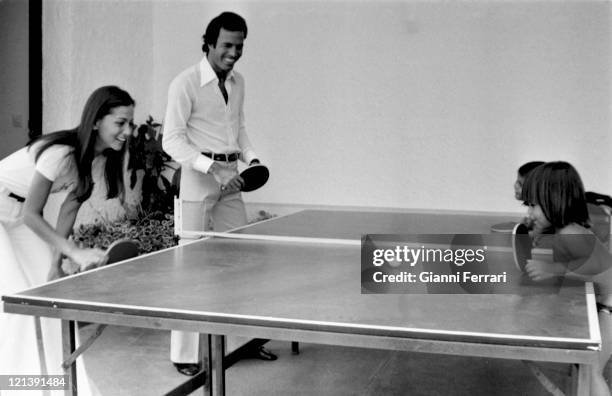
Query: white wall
(365, 103)
(14, 85)
(88, 44)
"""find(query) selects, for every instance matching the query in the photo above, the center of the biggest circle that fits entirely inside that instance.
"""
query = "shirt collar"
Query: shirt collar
(207, 74)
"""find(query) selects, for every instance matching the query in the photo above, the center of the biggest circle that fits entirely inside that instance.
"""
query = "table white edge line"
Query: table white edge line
(315, 322)
(592, 313)
(261, 221)
(350, 242)
(388, 209)
(199, 233)
(113, 264)
(275, 238)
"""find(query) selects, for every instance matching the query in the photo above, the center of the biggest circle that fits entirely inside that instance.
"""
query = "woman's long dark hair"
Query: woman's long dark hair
(83, 139)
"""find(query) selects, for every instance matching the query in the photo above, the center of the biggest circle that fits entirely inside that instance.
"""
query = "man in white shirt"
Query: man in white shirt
(204, 130)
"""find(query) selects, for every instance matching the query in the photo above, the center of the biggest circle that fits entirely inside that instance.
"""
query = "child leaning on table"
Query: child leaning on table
(555, 195)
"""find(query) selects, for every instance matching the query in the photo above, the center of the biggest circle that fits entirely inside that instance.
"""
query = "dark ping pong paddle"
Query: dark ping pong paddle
(521, 246)
(254, 177)
(121, 250)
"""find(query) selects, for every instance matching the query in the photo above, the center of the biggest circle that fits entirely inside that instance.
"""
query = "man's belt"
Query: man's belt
(223, 157)
(16, 197)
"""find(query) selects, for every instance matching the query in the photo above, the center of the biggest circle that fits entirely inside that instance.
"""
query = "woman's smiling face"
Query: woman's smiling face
(114, 128)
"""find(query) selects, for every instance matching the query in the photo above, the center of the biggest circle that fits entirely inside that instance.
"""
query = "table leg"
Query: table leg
(217, 373)
(205, 358)
(583, 386)
(68, 347)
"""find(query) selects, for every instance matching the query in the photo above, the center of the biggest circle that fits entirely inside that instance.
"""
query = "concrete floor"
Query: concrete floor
(132, 361)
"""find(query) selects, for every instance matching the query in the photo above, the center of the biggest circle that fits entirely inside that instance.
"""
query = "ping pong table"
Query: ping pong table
(297, 278)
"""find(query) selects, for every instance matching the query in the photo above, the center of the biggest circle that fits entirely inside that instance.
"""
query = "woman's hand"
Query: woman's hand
(87, 258)
(55, 272)
(540, 270)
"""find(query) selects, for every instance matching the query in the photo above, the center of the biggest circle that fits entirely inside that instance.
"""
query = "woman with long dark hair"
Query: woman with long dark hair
(31, 248)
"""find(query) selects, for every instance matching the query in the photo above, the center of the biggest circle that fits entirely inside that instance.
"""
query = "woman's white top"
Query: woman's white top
(56, 163)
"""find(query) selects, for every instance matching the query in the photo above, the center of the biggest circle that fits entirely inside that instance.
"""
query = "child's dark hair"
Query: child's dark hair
(528, 167)
(558, 189)
(83, 139)
(226, 20)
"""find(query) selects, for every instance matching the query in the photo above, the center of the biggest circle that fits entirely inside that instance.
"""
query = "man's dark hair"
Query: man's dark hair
(226, 20)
